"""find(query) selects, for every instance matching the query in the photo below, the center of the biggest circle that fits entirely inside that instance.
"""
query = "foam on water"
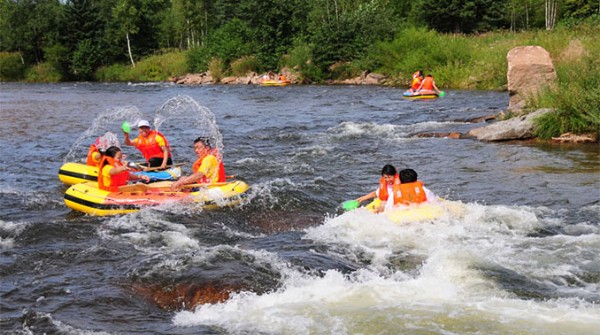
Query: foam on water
(452, 288)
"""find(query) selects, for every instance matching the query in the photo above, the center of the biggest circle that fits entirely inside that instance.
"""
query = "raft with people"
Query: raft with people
(88, 198)
(413, 213)
(421, 95)
(72, 173)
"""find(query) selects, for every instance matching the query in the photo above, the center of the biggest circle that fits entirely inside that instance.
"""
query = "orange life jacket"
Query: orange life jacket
(405, 194)
(416, 83)
(221, 176)
(90, 156)
(427, 84)
(116, 180)
(149, 147)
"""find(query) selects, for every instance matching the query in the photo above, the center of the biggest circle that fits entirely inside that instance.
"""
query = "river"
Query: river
(521, 259)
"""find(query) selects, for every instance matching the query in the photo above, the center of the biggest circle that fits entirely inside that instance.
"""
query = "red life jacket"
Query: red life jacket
(149, 147)
(116, 180)
(405, 194)
(427, 84)
(221, 176)
(90, 156)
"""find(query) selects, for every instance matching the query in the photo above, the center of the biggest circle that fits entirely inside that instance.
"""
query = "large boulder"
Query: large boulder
(516, 128)
(530, 69)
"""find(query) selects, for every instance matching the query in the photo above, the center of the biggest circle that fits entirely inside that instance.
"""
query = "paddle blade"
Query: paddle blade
(442, 94)
(350, 204)
(126, 127)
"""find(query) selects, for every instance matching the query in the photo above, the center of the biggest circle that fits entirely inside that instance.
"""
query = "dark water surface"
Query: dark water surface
(522, 258)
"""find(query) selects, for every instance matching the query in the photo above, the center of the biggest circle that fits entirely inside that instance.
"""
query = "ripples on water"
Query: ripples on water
(521, 258)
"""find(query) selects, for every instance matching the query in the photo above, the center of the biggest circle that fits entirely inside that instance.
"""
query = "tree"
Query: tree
(464, 16)
(551, 7)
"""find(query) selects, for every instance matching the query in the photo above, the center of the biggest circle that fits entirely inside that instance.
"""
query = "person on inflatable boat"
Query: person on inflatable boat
(97, 149)
(403, 187)
(428, 86)
(207, 169)
(152, 144)
(114, 173)
(416, 82)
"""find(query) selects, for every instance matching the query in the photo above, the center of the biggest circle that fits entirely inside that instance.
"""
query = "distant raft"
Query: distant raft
(89, 199)
(274, 82)
(76, 173)
(420, 95)
(427, 211)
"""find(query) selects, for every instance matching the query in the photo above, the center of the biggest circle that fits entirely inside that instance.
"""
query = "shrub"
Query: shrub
(43, 73)
(244, 65)
(11, 66)
(217, 69)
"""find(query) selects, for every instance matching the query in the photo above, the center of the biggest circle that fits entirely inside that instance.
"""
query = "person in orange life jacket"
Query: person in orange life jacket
(403, 188)
(208, 168)
(152, 144)
(97, 149)
(416, 81)
(428, 84)
(114, 173)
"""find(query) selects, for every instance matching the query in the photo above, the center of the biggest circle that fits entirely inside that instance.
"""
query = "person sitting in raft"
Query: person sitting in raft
(428, 86)
(114, 173)
(404, 188)
(97, 149)
(207, 169)
(416, 82)
(152, 144)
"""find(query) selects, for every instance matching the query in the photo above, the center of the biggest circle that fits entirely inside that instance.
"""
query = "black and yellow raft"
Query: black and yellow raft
(89, 199)
(76, 173)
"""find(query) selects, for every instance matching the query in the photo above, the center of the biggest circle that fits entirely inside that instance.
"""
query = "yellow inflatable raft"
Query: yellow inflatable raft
(89, 199)
(273, 82)
(75, 173)
(420, 212)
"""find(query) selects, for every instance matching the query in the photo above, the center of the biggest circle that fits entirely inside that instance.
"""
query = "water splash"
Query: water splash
(185, 108)
(109, 119)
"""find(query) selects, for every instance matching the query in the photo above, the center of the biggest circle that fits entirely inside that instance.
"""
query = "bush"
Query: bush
(43, 73)
(245, 65)
(11, 66)
(197, 59)
(217, 69)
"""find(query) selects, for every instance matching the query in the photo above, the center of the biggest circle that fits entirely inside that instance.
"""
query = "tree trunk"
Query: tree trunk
(551, 9)
(129, 49)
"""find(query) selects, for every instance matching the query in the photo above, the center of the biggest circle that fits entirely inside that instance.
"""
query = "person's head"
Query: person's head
(202, 146)
(429, 76)
(408, 176)
(144, 127)
(114, 152)
(388, 172)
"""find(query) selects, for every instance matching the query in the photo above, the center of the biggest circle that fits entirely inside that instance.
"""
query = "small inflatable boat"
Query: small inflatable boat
(75, 173)
(420, 212)
(272, 82)
(89, 199)
(420, 95)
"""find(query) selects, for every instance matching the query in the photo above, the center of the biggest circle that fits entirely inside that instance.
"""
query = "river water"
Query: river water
(521, 259)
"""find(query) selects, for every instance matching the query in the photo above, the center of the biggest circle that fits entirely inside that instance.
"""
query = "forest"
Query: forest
(464, 42)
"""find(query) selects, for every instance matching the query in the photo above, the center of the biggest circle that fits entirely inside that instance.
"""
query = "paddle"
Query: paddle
(350, 205)
(442, 94)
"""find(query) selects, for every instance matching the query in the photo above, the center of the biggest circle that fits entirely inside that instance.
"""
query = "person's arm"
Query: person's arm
(165, 157)
(435, 88)
(367, 196)
(127, 140)
(187, 180)
(420, 86)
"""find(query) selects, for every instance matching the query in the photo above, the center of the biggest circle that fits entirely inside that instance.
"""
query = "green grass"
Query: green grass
(154, 68)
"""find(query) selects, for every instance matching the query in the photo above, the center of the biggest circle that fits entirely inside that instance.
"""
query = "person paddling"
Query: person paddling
(152, 144)
(403, 187)
(208, 168)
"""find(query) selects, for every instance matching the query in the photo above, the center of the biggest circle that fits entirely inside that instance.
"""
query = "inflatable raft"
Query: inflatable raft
(273, 82)
(75, 173)
(420, 212)
(421, 95)
(89, 199)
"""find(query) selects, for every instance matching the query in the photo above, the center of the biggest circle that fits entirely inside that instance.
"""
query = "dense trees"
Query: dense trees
(75, 37)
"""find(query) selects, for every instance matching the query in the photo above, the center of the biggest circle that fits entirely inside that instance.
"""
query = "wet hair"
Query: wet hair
(389, 170)
(204, 140)
(112, 151)
(408, 176)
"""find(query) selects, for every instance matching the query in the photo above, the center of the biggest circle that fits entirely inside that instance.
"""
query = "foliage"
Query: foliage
(300, 59)
(44, 72)
(464, 16)
(245, 65)
(11, 67)
(217, 69)
(84, 60)
(576, 102)
(154, 68)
